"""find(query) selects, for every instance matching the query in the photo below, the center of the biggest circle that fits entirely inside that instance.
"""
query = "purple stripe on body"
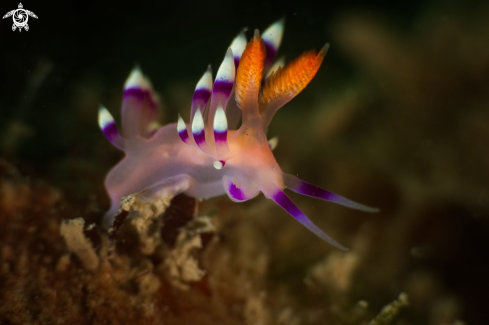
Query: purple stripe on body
(271, 52)
(223, 87)
(201, 95)
(236, 193)
(236, 62)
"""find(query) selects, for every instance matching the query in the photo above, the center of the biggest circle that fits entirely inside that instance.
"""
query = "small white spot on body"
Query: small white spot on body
(217, 164)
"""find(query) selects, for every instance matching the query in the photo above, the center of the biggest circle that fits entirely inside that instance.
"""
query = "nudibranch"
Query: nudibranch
(211, 155)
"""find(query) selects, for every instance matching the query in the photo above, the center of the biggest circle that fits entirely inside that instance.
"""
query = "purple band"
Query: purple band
(110, 131)
(199, 138)
(314, 191)
(134, 92)
(183, 135)
(236, 62)
(140, 94)
(223, 87)
(201, 95)
(271, 52)
(283, 200)
(221, 137)
(236, 193)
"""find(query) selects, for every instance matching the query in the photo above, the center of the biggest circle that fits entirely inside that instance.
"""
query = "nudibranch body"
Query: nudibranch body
(211, 156)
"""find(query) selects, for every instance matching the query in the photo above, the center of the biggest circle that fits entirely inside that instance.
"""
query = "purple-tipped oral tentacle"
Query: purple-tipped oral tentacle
(221, 131)
(202, 93)
(109, 128)
(198, 130)
(238, 45)
(223, 86)
(182, 130)
(302, 187)
(276, 194)
(272, 37)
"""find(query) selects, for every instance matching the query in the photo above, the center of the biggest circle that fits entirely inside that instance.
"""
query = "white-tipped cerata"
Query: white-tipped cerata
(198, 128)
(220, 121)
(104, 117)
(238, 45)
(136, 79)
(182, 130)
(272, 36)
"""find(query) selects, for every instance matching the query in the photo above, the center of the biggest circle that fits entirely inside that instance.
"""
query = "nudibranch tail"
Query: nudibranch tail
(248, 80)
(302, 187)
(109, 128)
(285, 83)
(272, 37)
(139, 107)
(278, 196)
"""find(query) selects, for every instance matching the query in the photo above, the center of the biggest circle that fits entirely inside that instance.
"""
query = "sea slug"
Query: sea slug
(211, 155)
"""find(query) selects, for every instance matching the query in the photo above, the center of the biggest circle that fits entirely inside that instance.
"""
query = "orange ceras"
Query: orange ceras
(250, 70)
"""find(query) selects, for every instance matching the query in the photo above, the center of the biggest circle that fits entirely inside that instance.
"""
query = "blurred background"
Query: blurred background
(397, 117)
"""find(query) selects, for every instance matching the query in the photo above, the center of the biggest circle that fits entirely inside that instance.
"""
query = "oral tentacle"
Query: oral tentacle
(221, 131)
(302, 187)
(202, 93)
(109, 128)
(278, 196)
(272, 37)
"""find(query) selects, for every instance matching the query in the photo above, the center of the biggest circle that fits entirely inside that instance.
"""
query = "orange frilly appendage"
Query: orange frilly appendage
(285, 83)
(250, 72)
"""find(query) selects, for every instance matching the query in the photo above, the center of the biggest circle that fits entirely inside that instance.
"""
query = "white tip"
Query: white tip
(274, 33)
(239, 44)
(220, 120)
(104, 117)
(205, 81)
(273, 143)
(198, 122)
(217, 164)
(181, 124)
(280, 63)
(227, 70)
